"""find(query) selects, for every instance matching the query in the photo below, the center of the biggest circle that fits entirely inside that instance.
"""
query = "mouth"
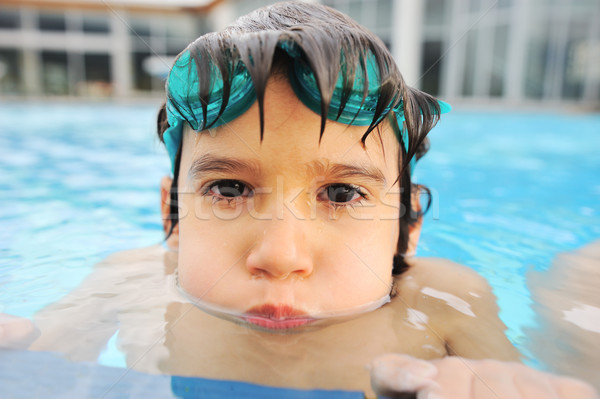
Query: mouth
(274, 317)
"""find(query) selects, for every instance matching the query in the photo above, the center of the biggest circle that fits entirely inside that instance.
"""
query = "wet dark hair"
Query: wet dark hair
(323, 35)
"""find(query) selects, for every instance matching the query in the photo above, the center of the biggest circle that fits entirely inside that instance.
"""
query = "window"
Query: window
(430, 65)
(140, 28)
(10, 71)
(499, 61)
(504, 3)
(97, 67)
(375, 15)
(97, 74)
(470, 64)
(578, 51)
(52, 22)
(384, 16)
(435, 12)
(95, 24)
(243, 7)
(55, 77)
(142, 79)
(536, 67)
(10, 19)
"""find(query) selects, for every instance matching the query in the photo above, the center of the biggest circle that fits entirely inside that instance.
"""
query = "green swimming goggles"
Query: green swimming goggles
(185, 106)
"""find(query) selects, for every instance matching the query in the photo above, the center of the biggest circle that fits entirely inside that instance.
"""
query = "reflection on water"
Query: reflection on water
(510, 192)
(271, 322)
(159, 331)
(567, 305)
(57, 378)
(133, 295)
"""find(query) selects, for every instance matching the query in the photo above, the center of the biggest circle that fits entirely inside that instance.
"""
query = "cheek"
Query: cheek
(360, 258)
(197, 266)
(210, 252)
(389, 207)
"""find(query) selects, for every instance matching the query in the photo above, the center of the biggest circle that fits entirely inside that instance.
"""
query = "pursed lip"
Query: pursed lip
(276, 317)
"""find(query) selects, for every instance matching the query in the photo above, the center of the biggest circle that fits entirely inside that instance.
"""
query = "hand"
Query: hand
(16, 332)
(401, 376)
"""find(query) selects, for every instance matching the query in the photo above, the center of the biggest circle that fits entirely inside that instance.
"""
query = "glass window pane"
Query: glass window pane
(384, 14)
(175, 47)
(97, 75)
(97, 67)
(431, 67)
(341, 5)
(246, 6)
(435, 12)
(55, 72)
(95, 24)
(144, 64)
(499, 61)
(474, 5)
(52, 22)
(355, 10)
(10, 19)
(536, 67)
(576, 60)
(177, 27)
(470, 61)
(10, 71)
(139, 27)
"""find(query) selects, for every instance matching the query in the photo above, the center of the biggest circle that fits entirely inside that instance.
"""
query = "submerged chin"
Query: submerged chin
(283, 317)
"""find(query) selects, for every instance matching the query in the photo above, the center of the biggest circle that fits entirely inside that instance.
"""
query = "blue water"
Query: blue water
(513, 190)
(78, 182)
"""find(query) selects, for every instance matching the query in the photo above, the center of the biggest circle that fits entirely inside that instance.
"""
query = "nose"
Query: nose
(281, 250)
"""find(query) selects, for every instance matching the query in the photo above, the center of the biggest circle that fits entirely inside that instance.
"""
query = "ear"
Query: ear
(414, 229)
(414, 232)
(165, 210)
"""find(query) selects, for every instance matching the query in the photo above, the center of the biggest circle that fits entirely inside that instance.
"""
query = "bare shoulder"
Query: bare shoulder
(447, 276)
(450, 292)
(133, 256)
(125, 286)
(117, 273)
(461, 307)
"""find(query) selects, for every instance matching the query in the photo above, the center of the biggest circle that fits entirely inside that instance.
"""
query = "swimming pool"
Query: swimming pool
(80, 181)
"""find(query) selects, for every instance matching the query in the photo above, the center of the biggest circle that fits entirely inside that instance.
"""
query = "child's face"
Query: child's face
(288, 226)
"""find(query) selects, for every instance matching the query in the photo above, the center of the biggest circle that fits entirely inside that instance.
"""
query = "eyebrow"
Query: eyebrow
(210, 163)
(346, 171)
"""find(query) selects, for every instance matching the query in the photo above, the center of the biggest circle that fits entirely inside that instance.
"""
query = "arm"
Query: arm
(481, 336)
(16, 332)
(81, 323)
(463, 309)
(458, 378)
(566, 303)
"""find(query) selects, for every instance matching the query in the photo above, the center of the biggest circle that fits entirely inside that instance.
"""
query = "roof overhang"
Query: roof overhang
(195, 6)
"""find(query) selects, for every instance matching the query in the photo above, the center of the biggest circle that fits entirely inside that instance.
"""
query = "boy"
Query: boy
(291, 210)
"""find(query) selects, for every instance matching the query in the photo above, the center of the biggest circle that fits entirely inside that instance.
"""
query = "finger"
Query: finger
(453, 380)
(535, 384)
(392, 374)
(496, 380)
(16, 332)
(572, 388)
(461, 378)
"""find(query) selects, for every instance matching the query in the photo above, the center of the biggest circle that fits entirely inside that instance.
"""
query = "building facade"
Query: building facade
(91, 49)
(501, 51)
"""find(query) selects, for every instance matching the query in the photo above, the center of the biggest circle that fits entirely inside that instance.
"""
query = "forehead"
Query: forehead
(291, 136)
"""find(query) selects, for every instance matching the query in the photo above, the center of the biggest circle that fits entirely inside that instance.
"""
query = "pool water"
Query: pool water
(81, 181)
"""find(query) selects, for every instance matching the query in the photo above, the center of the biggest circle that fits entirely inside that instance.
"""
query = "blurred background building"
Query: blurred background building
(508, 52)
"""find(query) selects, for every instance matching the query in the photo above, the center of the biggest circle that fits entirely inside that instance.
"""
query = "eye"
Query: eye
(341, 194)
(227, 189)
